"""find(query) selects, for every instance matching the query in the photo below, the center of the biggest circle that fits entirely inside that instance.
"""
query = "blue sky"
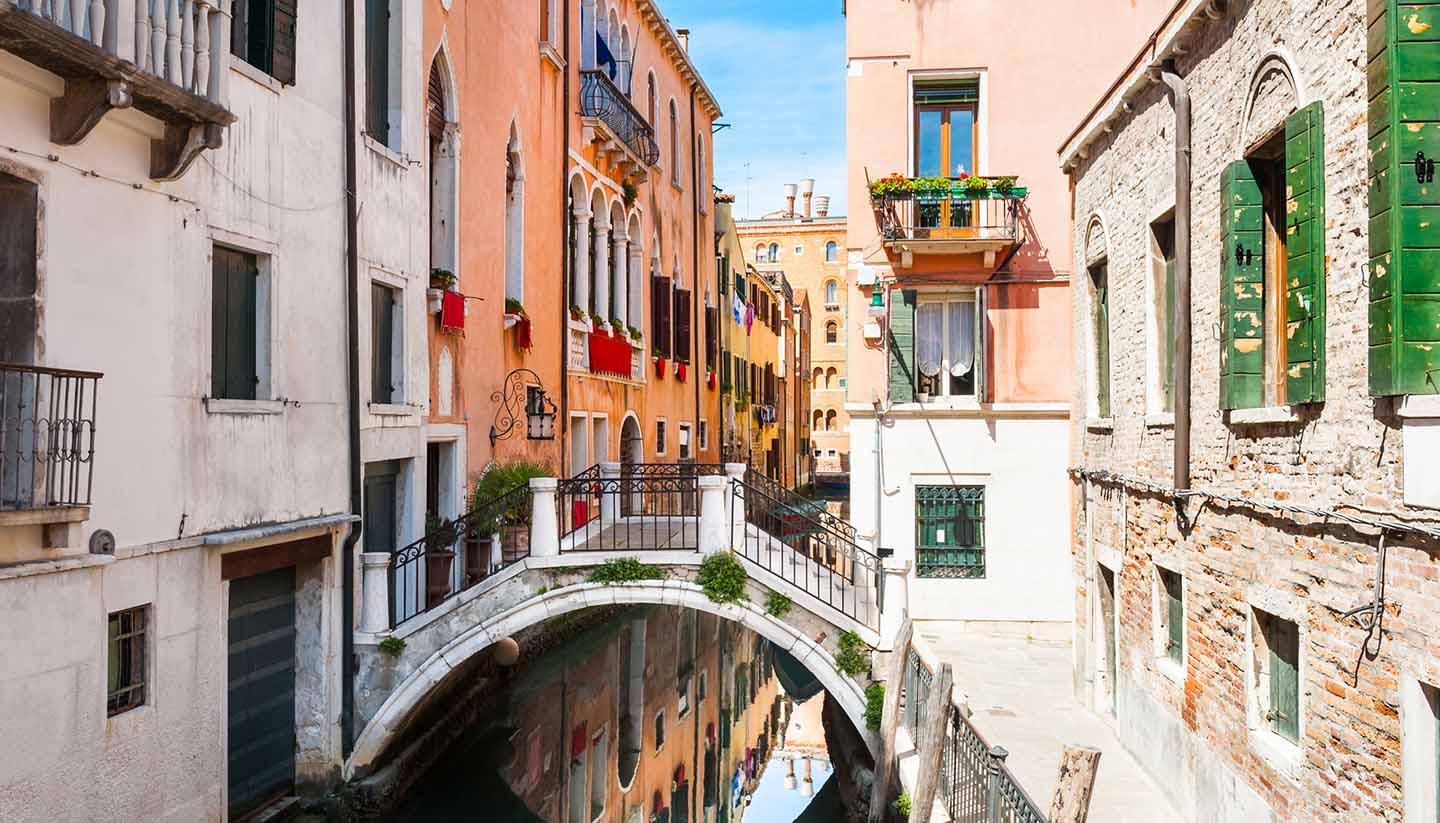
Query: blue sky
(778, 69)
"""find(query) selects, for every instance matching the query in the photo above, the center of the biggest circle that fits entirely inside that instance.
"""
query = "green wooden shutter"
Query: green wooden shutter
(1305, 255)
(1404, 55)
(382, 336)
(219, 316)
(902, 346)
(1174, 616)
(1283, 639)
(1242, 289)
(377, 69)
(1168, 344)
(1102, 343)
(282, 48)
(233, 325)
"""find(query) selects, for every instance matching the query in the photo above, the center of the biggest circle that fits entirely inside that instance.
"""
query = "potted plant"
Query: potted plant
(628, 192)
(439, 560)
(931, 187)
(618, 326)
(1002, 185)
(512, 306)
(576, 313)
(891, 187)
(634, 334)
(442, 279)
(598, 323)
(975, 186)
(511, 528)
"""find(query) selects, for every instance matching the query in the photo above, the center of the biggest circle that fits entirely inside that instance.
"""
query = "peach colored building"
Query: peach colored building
(569, 179)
(958, 290)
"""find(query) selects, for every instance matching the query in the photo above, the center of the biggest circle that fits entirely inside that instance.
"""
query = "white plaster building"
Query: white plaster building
(175, 219)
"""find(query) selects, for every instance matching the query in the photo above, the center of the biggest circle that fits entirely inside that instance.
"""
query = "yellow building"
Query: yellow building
(810, 252)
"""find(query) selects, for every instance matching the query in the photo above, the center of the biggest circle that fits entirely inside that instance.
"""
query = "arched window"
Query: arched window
(674, 144)
(819, 373)
(443, 168)
(832, 293)
(759, 252)
(830, 420)
(832, 252)
(832, 332)
(652, 98)
(819, 417)
(774, 253)
(514, 220)
(830, 375)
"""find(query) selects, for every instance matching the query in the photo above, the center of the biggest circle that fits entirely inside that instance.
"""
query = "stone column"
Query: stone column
(544, 523)
(714, 527)
(581, 295)
(375, 592)
(609, 493)
(622, 285)
(735, 474)
(602, 267)
(637, 296)
(894, 578)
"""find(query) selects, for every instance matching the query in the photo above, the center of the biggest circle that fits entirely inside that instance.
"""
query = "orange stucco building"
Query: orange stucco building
(569, 170)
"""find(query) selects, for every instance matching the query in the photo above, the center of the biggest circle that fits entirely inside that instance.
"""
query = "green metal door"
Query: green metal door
(262, 689)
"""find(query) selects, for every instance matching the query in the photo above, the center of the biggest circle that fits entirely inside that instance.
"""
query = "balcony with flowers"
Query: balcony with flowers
(968, 214)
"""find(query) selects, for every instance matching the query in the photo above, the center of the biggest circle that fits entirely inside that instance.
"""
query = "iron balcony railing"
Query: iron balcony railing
(601, 98)
(648, 506)
(949, 216)
(47, 436)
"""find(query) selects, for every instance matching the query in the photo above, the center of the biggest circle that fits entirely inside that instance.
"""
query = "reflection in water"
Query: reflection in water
(662, 715)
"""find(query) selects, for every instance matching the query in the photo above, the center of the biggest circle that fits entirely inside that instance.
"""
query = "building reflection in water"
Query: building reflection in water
(664, 715)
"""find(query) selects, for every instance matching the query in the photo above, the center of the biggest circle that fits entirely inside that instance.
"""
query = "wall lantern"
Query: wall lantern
(877, 303)
(522, 386)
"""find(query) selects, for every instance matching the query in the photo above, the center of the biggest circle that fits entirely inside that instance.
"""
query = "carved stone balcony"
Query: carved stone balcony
(612, 121)
(167, 58)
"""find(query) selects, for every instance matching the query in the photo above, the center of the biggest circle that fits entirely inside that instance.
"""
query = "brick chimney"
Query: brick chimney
(822, 206)
(807, 188)
(790, 199)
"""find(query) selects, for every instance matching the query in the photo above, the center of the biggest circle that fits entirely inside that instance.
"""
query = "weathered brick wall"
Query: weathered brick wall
(1344, 453)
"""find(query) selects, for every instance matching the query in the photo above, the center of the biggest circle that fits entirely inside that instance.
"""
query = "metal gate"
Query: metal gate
(262, 689)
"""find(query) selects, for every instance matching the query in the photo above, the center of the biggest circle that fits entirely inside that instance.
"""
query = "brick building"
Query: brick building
(1218, 625)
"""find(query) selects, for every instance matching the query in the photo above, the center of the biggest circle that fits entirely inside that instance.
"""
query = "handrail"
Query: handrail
(47, 436)
(773, 489)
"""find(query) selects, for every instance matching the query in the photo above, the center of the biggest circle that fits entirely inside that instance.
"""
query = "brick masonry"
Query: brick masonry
(1344, 454)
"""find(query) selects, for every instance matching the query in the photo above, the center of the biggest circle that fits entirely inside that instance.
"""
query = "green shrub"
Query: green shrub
(778, 605)
(723, 578)
(854, 657)
(625, 570)
(874, 705)
(902, 805)
(392, 646)
(1003, 184)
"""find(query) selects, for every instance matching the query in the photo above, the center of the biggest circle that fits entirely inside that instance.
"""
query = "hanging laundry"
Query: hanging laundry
(749, 316)
(738, 310)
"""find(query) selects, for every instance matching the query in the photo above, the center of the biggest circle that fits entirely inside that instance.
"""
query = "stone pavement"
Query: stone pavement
(1019, 686)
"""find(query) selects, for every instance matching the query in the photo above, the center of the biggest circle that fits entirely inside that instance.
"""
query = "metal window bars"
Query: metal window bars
(47, 436)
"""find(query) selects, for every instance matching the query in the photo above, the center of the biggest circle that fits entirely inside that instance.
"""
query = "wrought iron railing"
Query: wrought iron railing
(47, 436)
(949, 216)
(602, 99)
(459, 554)
(976, 785)
(646, 507)
(790, 497)
(793, 538)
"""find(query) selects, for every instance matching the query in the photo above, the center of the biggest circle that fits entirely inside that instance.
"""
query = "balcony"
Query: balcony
(956, 219)
(615, 124)
(47, 450)
(167, 58)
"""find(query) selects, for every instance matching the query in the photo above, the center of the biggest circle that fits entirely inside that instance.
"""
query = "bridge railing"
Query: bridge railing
(632, 507)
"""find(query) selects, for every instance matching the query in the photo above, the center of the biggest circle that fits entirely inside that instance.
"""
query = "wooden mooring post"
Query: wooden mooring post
(932, 745)
(1071, 804)
(890, 723)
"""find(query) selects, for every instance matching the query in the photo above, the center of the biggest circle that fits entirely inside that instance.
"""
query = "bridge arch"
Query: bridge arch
(793, 635)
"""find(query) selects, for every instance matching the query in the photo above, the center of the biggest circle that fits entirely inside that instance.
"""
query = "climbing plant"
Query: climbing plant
(723, 578)
(874, 705)
(854, 656)
(392, 646)
(625, 570)
(778, 605)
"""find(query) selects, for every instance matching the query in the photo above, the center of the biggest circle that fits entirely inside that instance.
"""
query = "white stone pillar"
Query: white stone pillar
(895, 579)
(602, 268)
(735, 475)
(637, 294)
(374, 592)
(622, 284)
(544, 523)
(609, 493)
(497, 554)
(581, 296)
(714, 526)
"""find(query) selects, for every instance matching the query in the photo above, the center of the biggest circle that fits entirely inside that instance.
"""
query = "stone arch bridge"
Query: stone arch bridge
(527, 557)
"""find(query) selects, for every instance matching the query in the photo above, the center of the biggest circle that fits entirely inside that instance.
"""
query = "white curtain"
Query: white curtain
(962, 338)
(929, 337)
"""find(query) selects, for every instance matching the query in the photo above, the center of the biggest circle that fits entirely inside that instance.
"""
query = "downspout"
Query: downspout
(695, 269)
(565, 273)
(352, 307)
(1180, 97)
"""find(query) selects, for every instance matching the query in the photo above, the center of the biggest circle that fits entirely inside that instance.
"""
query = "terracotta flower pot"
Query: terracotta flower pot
(438, 563)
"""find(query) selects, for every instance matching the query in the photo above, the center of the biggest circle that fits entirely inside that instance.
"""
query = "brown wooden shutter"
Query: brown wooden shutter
(682, 325)
(664, 305)
(282, 50)
(435, 112)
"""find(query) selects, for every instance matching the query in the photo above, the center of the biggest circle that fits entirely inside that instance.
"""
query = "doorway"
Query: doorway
(1105, 578)
(632, 453)
(261, 677)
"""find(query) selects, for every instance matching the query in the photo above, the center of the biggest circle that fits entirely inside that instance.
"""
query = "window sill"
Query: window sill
(396, 159)
(549, 54)
(579, 325)
(1420, 407)
(254, 74)
(1265, 414)
(1282, 755)
(219, 405)
(391, 410)
(1170, 669)
(1159, 420)
(1100, 424)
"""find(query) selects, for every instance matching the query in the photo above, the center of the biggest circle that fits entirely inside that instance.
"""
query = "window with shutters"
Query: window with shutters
(659, 730)
(238, 325)
(674, 144)
(262, 33)
(950, 531)
(1275, 675)
(1100, 338)
(1169, 616)
(946, 346)
(19, 263)
(1273, 283)
(386, 369)
(384, 56)
(661, 307)
(1160, 393)
(126, 660)
(683, 319)
(712, 340)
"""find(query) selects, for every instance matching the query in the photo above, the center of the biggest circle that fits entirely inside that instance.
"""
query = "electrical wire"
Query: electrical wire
(281, 206)
(84, 172)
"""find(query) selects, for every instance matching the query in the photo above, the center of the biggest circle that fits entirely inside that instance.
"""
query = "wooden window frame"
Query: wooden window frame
(1267, 161)
(127, 660)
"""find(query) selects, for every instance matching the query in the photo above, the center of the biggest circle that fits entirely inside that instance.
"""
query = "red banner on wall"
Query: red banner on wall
(609, 355)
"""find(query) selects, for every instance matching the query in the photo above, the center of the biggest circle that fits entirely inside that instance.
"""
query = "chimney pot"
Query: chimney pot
(684, 36)
(822, 206)
(790, 199)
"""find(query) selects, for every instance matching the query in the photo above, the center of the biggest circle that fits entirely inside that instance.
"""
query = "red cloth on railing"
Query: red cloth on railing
(579, 513)
(522, 333)
(680, 372)
(609, 354)
(452, 313)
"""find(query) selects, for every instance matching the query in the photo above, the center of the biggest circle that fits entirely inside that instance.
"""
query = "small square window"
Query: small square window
(704, 435)
(950, 531)
(126, 677)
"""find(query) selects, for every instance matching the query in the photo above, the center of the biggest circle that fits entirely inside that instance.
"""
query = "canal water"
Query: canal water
(659, 715)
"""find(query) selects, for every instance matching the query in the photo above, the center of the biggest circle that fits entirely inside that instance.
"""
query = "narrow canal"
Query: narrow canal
(656, 714)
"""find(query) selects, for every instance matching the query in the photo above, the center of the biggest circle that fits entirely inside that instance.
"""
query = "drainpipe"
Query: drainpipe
(565, 273)
(352, 306)
(1180, 98)
(695, 269)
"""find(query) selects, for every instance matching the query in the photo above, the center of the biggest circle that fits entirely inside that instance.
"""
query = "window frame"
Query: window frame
(1101, 394)
(1267, 608)
(396, 354)
(944, 300)
(974, 570)
(122, 698)
(832, 252)
(946, 110)
(684, 444)
(263, 269)
(1160, 316)
(661, 436)
(658, 729)
(1169, 636)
